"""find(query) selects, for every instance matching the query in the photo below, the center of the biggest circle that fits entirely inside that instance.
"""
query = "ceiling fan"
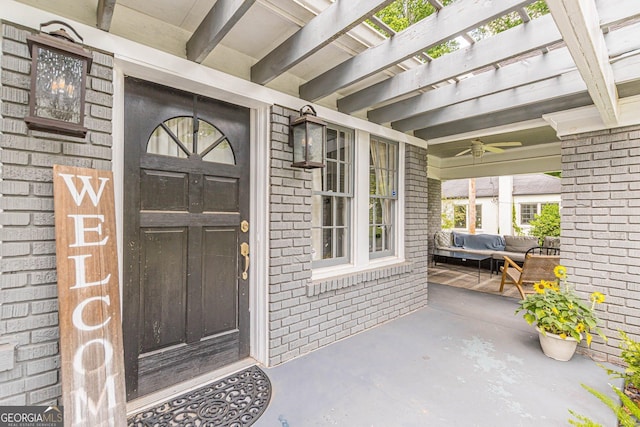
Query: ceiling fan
(478, 148)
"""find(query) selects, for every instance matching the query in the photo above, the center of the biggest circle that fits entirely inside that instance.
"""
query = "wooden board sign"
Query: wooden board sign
(93, 383)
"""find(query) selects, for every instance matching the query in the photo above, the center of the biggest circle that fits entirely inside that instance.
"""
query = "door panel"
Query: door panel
(219, 268)
(161, 190)
(164, 271)
(186, 306)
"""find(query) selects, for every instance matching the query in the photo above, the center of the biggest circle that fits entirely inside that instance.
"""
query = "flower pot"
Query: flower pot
(556, 347)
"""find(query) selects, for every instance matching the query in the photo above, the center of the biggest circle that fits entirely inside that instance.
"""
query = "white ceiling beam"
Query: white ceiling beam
(531, 70)
(517, 74)
(218, 22)
(448, 23)
(566, 85)
(613, 12)
(508, 44)
(105, 14)
(579, 23)
(335, 20)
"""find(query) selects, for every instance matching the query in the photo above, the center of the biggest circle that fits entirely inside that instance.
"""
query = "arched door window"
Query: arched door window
(177, 137)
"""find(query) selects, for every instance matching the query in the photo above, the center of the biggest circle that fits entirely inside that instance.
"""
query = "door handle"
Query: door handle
(244, 251)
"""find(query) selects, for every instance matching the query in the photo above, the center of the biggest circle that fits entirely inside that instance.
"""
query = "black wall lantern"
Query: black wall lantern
(59, 69)
(308, 138)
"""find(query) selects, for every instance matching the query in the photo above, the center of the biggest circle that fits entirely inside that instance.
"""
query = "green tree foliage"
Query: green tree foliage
(401, 14)
(547, 223)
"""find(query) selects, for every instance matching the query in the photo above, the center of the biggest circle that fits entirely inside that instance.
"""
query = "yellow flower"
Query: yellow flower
(580, 327)
(539, 287)
(563, 336)
(597, 297)
(555, 310)
(560, 272)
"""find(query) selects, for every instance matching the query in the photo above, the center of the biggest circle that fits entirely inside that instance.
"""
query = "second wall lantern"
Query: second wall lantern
(59, 69)
(308, 138)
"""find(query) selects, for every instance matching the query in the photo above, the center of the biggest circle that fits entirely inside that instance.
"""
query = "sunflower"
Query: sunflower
(560, 272)
(597, 297)
(539, 287)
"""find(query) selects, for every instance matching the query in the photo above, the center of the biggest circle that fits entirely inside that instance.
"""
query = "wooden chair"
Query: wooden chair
(534, 269)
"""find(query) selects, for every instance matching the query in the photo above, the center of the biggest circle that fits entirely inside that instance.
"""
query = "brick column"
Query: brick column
(601, 226)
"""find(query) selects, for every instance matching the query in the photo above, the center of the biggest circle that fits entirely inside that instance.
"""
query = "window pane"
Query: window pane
(332, 144)
(341, 241)
(222, 153)
(341, 211)
(478, 216)
(341, 178)
(327, 211)
(163, 144)
(332, 176)
(207, 135)
(327, 243)
(182, 127)
(527, 211)
(460, 216)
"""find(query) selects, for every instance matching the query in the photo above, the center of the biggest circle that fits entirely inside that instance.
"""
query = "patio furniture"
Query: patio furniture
(534, 269)
(462, 256)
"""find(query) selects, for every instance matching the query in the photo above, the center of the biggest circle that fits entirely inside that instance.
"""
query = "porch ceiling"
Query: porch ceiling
(586, 52)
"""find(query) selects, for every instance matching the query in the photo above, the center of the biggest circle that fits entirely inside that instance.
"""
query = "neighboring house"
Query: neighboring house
(496, 198)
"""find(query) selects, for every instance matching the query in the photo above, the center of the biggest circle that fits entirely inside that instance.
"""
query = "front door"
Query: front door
(186, 204)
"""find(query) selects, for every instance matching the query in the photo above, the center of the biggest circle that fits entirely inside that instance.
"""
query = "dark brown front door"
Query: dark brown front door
(186, 193)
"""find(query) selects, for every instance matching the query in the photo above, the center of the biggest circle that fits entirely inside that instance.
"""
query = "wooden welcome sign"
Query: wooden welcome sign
(93, 390)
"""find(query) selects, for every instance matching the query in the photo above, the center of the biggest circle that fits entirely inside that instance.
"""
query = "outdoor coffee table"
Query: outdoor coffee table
(463, 256)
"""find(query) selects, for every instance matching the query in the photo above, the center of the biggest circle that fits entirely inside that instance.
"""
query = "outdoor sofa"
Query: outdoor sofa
(493, 245)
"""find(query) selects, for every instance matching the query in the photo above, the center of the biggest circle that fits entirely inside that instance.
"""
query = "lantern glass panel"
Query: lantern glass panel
(299, 146)
(316, 134)
(58, 86)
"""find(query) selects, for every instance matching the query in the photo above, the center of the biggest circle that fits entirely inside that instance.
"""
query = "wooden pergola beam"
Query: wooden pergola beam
(218, 22)
(579, 24)
(335, 20)
(105, 14)
(448, 23)
(508, 44)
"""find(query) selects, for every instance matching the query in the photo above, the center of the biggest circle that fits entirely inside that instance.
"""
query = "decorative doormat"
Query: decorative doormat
(235, 401)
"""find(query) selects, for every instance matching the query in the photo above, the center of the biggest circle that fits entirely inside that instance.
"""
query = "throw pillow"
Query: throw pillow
(443, 239)
(520, 243)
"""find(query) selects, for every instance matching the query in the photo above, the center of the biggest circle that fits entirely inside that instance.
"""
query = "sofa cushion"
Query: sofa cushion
(520, 243)
(443, 239)
(515, 256)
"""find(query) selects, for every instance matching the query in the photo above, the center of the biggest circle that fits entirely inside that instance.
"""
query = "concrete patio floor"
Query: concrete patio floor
(465, 360)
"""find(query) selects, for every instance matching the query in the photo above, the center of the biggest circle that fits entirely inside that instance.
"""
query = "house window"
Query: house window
(460, 216)
(332, 199)
(383, 182)
(527, 212)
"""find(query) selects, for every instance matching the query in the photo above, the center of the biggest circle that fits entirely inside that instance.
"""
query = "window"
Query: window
(383, 181)
(176, 138)
(527, 212)
(460, 216)
(331, 202)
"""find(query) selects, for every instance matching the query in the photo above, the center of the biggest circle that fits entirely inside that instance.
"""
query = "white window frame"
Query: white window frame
(360, 215)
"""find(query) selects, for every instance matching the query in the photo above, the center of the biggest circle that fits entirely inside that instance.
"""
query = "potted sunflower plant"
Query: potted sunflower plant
(561, 317)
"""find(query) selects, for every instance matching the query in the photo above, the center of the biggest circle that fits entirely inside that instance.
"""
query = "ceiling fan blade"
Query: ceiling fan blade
(493, 149)
(468, 150)
(504, 144)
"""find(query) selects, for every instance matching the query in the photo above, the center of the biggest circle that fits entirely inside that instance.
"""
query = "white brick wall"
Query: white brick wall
(305, 315)
(601, 226)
